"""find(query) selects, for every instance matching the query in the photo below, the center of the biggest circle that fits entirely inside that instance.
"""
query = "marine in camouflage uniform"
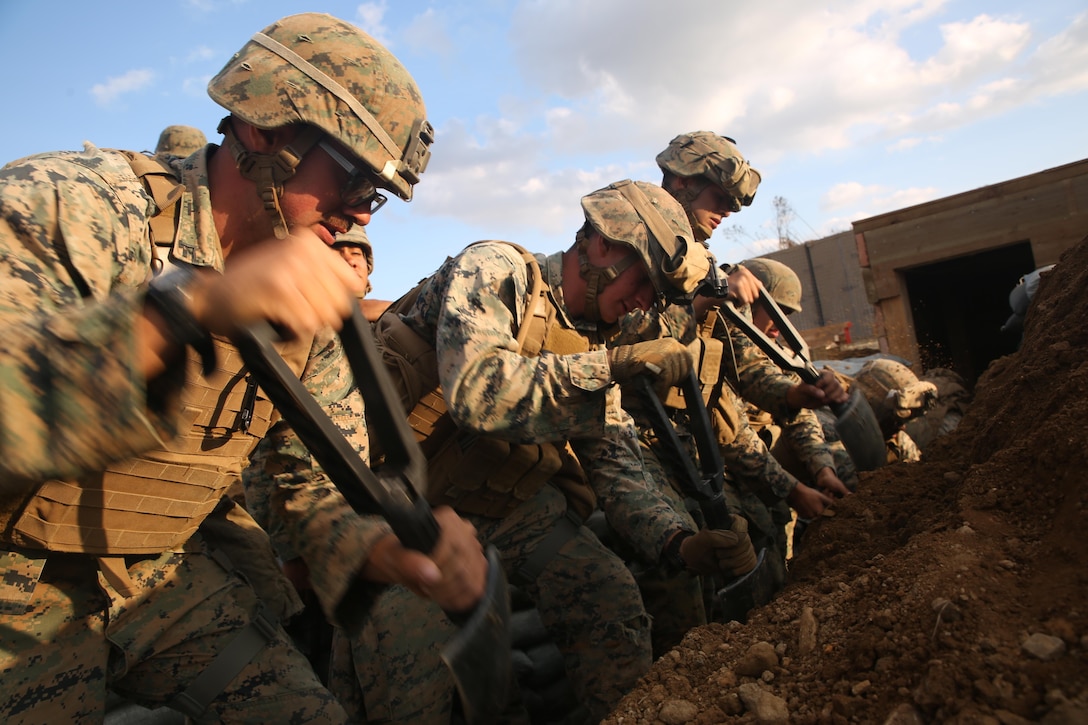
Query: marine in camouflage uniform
(711, 179)
(354, 246)
(124, 568)
(793, 435)
(510, 406)
(897, 397)
(755, 482)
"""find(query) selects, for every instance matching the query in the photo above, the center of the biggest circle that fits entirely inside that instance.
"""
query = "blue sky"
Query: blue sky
(848, 109)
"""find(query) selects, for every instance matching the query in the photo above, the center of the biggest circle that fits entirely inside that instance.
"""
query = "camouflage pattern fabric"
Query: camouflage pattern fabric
(756, 483)
(180, 140)
(340, 80)
(674, 600)
(73, 240)
(586, 596)
(290, 495)
(386, 662)
(471, 307)
(78, 638)
(902, 448)
(389, 668)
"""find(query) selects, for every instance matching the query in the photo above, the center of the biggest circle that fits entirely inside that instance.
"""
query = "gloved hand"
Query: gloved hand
(666, 360)
(720, 551)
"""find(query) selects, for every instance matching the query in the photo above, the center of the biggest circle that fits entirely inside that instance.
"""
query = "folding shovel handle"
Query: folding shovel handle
(706, 483)
(395, 490)
(795, 358)
(855, 421)
(478, 655)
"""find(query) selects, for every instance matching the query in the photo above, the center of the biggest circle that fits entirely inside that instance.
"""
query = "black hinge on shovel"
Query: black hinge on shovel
(749, 590)
(478, 656)
(855, 420)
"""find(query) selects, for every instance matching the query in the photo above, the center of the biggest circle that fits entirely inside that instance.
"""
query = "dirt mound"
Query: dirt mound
(953, 590)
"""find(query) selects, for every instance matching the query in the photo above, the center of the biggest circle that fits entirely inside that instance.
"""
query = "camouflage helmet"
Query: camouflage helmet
(356, 237)
(781, 282)
(648, 219)
(180, 140)
(316, 69)
(894, 392)
(714, 158)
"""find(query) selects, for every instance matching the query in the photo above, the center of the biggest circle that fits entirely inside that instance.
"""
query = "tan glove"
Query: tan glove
(665, 359)
(720, 551)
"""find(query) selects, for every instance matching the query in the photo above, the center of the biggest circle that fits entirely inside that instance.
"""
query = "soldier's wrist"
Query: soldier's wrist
(171, 295)
(671, 556)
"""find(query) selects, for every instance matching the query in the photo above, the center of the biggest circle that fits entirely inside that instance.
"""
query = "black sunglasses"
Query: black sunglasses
(359, 190)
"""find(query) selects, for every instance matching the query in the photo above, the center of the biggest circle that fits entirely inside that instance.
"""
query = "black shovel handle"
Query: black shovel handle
(394, 491)
(795, 357)
(705, 486)
(479, 656)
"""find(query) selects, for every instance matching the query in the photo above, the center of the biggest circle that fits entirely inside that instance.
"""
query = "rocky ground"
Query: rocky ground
(949, 591)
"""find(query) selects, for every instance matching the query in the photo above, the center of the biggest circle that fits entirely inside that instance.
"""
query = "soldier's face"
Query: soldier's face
(711, 206)
(312, 197)
(354, 256)
(763, 321)
(631, 290)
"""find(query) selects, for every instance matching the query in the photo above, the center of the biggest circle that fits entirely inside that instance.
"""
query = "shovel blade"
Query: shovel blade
(746, 592)
(479, 654)
(859, 431)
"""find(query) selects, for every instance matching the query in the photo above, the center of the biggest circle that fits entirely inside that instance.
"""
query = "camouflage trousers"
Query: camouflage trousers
(66, 637)
(673, 600)
(390, 670)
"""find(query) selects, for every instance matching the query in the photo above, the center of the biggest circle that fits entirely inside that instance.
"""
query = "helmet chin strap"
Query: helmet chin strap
(597, 278)
(270, 171)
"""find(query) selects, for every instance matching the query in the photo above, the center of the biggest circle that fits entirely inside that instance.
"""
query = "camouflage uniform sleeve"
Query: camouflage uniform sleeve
(300, 506)
(806, 437)
(756, 377)
(632, 502)
(748, 463)
(475, 303)
(903, 449)
(74, 251)
(638, 325)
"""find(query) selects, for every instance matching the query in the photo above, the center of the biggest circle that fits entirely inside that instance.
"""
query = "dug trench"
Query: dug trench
(953, 590)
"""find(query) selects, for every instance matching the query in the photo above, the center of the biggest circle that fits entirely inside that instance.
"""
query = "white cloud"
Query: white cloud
(904, 144)
(781, 75)
(609, 81)
(371, 18)
(846, 194)
(863, 200)
(134, 80)
(200, 54)
(1060, 65)
(428, 32)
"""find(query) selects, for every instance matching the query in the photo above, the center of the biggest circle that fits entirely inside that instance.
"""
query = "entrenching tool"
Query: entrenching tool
(855, 420)
(478, 655)
(706, 487)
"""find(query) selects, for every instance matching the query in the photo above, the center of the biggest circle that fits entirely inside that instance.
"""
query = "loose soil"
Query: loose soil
(947, 591)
